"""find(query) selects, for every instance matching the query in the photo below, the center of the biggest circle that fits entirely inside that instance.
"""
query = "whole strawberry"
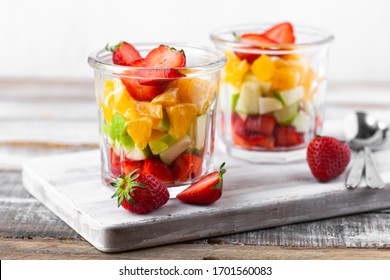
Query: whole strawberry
(327, 157)
(140, 192)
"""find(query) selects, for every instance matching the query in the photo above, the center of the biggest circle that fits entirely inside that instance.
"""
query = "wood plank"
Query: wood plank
(292, 196)
(336, 232)
(80, 250)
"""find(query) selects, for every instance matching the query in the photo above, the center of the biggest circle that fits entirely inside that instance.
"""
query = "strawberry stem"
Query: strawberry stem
(110, 49)
(222, 171)
(125, 187)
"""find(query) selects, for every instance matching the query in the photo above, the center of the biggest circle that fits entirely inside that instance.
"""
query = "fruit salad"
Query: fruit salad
(156, 117)
(269, 90)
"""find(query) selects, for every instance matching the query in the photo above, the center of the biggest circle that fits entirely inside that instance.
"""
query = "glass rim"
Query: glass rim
(217, 37)
(95, 60)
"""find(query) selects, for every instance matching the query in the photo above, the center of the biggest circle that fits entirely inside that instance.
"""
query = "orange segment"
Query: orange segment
(235, 69)
(181, 117)
(140, 130)
(140, 109)
(263, 68)
(285, 78)
(197, 91)
(167, 98)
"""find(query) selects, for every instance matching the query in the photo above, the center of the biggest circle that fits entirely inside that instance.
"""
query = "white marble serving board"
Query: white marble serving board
(254, 197)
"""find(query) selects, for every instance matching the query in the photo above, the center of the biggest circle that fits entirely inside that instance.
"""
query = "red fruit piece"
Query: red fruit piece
(159, 169)
(115, 163)
(286, 136)
(140, 192)
(140, 92)
(249, 139)
(327, 157)
(186, 166)
(164, 76)
(252, 39)
(131, 165)
(263, 124)
(282, 33)
(206, 191)
(124, 54)
(165, 57)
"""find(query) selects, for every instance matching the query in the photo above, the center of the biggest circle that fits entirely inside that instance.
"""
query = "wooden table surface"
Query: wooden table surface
(53, 117)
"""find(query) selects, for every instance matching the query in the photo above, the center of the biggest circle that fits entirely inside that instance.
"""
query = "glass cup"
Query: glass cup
(170, 136)
(271, 96)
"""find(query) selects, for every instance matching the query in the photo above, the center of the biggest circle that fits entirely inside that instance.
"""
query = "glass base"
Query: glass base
(267, 156)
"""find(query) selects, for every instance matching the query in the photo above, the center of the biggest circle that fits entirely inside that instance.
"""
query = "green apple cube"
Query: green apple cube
(289, 97)
(200, 131)
(160, 144)
(302, 122)
(247, 101)
(136, 153)
(169, 155)
(287, 115)
(269, 104)
(234, 101)
(163, 124)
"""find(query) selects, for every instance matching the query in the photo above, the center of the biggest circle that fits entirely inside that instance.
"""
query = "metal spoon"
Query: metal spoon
(364, 132)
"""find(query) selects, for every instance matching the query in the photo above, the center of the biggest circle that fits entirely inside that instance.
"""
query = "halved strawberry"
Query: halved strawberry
(252, 39)
(131, 165)
(282, 33)
(286, 136)
(115, 163)
(165, 57)
(140, 92)
(159, 169)
(186, 166)
(158, 77)
(264, 124)
(124, 54)
(206, 191)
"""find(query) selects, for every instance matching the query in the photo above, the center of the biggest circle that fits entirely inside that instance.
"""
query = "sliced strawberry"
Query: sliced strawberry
(264, 124)
(140, 92)
(256, 39)
(206, 191)
(115, 163)
(131, 165)
(286, 136)
(163, 76)
(186, 166)
(253, 39)
(159, 169)
(282, 33)
(124, 54)
(165, 57)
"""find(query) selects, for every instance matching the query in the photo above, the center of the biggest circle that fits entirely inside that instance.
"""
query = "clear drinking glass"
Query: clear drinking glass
(170, 136)
(271, 96)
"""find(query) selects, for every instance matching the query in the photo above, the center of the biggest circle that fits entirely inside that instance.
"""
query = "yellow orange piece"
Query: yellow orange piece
(167, 98)
(279, 63)
(285, 78)
(140, 130)
(140, 109)
(235, 69)
(197, 91)
(107, 112)
(181, 117)
(309, 83)
(263, 68)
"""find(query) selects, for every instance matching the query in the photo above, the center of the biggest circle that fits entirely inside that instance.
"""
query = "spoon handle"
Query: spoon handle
(373, 178)
(356, 173)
